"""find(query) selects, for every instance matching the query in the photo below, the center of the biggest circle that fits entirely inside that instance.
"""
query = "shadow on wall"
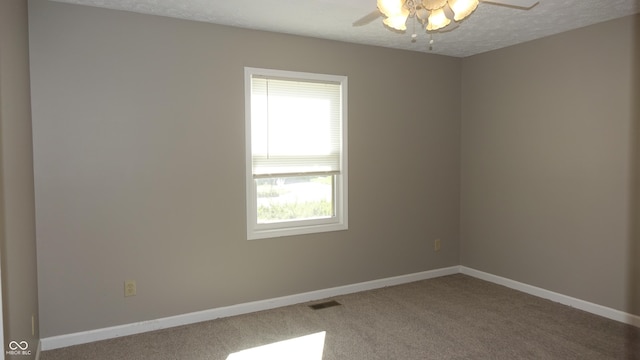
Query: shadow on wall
(633, 292)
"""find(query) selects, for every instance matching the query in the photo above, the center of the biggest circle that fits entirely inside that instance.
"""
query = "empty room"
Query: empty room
(320, 179)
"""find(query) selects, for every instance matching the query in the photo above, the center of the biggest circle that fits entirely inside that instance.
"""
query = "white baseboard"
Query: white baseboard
(596, 309)
(84, 337)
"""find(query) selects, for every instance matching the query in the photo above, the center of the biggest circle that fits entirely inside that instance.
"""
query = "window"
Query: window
(296, 162)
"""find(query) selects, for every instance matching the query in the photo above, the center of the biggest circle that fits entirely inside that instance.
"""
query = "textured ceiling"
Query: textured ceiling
(490, 27)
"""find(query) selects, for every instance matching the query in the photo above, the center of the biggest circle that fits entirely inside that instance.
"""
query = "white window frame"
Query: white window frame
(297, 227)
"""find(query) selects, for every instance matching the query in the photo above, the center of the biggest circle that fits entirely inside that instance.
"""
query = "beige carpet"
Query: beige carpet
(452, 317)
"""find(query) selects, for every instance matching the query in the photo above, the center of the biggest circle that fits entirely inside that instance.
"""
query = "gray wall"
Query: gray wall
(139, 166)
(138, 137)
(17, 212)
(550, 163)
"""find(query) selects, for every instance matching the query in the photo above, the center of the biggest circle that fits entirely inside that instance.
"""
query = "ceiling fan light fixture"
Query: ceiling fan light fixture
(422, 14)
(437, 20)
(391, 8)
(433, 4)
(399, 21)
(462, 8)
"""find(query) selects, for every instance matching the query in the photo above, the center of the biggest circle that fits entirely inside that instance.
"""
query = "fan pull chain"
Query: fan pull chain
(414, 36)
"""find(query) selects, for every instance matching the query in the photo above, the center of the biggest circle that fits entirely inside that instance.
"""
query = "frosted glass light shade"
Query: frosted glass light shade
(462, 8)
(399, 21)
(433, 4)
(437, 20)
(391, 8)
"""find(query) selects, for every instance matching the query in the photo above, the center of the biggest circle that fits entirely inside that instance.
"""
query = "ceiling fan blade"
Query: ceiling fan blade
(367, 18)
(520, 4)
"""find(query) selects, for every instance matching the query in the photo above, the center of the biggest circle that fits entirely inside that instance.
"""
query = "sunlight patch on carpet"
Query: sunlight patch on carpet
(308, 347)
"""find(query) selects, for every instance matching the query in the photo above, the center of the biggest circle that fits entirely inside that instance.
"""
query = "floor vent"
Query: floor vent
(324, 305)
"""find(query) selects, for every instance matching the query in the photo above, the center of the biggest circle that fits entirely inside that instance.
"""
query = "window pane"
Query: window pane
(294, 198)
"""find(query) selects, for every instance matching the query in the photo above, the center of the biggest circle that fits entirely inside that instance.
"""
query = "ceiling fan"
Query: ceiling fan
(434, 15)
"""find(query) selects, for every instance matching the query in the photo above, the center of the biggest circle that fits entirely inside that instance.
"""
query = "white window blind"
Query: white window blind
(295, 126)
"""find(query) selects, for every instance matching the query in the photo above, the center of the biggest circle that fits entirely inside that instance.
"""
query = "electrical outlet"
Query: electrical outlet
(129, 288)
(437, 244)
